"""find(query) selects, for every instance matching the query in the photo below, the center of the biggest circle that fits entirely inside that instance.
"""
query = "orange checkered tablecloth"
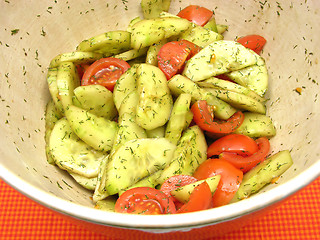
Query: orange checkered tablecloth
(21, 218)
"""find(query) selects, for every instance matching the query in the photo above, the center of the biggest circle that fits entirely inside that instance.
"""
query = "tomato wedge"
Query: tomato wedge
(144, 200)
(231, 178)
(233, 143)
(203, 117)
(254, 42)
(246, 163)
(81, 68)
(175, 182)
(200, 199)
(105, 72)
(196, 14)
(173, 55)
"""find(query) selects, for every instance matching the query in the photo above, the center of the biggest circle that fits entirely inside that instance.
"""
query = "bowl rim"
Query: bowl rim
(163, 223)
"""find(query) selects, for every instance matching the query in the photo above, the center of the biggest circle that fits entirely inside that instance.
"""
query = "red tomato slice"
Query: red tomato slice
(203, 117)
(231, 178)
(254, 42)
(173, 55)
(175, 182)
(233, 143)
(105, 72)
(196, 14)
(200, 199)
(246, 163)
(144, 200)
(81, 68)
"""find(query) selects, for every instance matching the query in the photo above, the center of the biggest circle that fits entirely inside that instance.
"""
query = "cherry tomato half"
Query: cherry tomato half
(229, 183)
(246, 163)
(105, 72)
(173, 55)
(144, 200)
(254, 42)
(200, 199)
(203, 117)
(234, 143)
(196, 14)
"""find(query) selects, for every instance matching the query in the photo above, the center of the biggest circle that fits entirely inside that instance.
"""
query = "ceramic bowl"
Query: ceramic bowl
(33, 32)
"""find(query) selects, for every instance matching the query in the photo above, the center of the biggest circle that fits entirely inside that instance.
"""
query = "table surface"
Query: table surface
(21, 218)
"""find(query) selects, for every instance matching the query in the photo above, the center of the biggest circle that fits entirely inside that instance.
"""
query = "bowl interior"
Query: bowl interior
(28, 44)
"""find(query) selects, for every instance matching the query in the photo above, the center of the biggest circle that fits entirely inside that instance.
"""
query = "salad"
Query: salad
(164, 117)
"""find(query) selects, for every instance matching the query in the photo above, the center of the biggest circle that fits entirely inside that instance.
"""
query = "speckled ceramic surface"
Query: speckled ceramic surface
(29, 39)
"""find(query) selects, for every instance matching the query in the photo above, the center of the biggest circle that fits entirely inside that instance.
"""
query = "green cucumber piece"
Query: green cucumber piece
(150, 155)
(180, 118)
(96, 99)
(97, 132)
(132, 54)
(256, 125)
(180, 84)
(155, 100)
(183, 193)
(75, 57)
(99, 193)
(153, 8)
(158, 132)
(221, 28)
(72, 154)
(132, 23)
(53, 87)
(153, 51)
(107, 204)
(211, 25)
(67, 81)
(88, 183)
(217, 58)
(263, 174)
(129, 103)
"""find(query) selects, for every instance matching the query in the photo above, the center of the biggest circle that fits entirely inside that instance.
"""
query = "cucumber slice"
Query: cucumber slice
(107, 204)
(238, 100)
(132, 54)
(75, 57)
(96, 99)
(133, 22)
(155, 100)
(158, 132)
(97, 132)
(214, 82)
(153, 51)
(180, 118)
(52, 115)
(263, 174)
(222, 28)
(153, 8)
(125, 84)
(191, 151)
(129, 103)
(150, 155)
(88, 183)
(211, 25)
(72, 154)
(256, 125)
(218, 58)
(53, 87)
(99, 195)
(183, 193)
(108, 43)
(253, 77)
(180, 84)
(67, 81)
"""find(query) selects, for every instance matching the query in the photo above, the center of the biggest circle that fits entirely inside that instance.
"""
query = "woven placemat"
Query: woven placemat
(21, 218)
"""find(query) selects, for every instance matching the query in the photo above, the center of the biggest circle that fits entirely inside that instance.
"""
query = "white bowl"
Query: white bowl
(47, 28)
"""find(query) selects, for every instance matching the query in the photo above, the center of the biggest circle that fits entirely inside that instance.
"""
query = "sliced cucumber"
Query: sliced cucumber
(222, 28)
(108, 43)
(53, 87)
(132, 23)
(180, 118)
(132, 54)
(183, 193)
(129, 103)
(158, 132)
(97, 132)
(153, 51)
(153, 8)
(67, 81)
(72, 154)
(88, 183)
(96, 99)
(256, 125)
(107, 204)
(150, 155)
(75, 57)
(263, 174)
(217, 58)
(211, 25)
(238, 100)
(98, 193)
(180, 84)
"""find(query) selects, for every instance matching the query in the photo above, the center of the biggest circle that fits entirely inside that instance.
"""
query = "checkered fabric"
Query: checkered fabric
(297, 218)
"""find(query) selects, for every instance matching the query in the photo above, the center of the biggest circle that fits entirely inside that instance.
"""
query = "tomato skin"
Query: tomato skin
(196, 14)
(144, 200)
(203, 117)
(246, 163)
(105, 72)
(175, 182)
(254, 42)
(173, 55)
(81, 68)
(200, 199)
(233, 143)
(231, 178)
